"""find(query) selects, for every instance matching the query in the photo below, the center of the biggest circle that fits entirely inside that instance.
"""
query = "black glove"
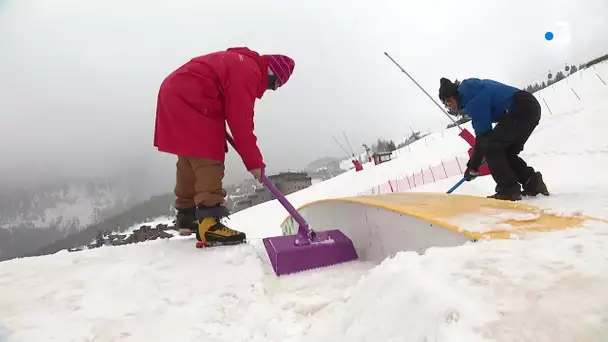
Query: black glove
(478, 151)
(470, 174)
(476, 158)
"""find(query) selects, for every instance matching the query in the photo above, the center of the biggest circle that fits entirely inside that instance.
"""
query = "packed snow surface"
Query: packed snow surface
(547, 287)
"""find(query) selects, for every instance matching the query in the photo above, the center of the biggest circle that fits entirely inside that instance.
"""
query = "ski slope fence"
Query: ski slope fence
(430, 174)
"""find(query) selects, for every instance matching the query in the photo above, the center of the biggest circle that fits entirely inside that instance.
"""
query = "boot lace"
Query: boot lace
(221, 226)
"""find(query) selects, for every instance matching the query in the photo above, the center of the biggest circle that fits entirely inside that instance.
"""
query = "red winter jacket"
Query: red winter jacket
(196, 100)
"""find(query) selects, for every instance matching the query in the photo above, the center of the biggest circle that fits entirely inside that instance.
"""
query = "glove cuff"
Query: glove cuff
(472, 167)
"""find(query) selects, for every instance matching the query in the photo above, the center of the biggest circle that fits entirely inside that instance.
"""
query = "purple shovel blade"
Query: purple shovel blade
(306, 249)
(328, 248)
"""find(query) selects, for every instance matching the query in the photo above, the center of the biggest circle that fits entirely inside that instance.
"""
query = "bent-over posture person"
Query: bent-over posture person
(194, 104)
(517, 113)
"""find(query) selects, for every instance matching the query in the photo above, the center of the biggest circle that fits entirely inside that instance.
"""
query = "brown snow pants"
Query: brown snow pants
(198, 182)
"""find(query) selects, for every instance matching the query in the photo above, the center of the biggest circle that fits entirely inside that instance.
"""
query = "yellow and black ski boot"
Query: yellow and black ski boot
(212, 231)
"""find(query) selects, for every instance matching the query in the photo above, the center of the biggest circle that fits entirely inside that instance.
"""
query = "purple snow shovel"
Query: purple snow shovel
(307, 249)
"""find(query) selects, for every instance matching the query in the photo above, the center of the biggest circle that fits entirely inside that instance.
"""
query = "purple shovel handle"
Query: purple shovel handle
(303, 229)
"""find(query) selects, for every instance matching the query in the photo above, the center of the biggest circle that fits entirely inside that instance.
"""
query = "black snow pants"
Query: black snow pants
(501, 146)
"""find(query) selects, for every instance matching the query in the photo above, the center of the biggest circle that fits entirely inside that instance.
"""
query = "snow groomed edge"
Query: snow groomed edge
(381, 225)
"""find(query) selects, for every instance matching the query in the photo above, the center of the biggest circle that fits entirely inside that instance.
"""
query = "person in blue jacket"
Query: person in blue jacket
(516, 114)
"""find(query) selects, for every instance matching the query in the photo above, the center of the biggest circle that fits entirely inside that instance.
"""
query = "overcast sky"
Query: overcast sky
(79, 79)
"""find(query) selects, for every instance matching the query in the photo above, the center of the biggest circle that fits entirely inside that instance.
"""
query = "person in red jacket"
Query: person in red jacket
(194, 104)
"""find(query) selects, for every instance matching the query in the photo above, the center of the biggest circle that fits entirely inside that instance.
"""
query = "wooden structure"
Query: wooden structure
(381, 157)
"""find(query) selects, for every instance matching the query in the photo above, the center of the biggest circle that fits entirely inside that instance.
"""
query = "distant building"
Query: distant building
(286, 182)
(323, 175)
(381, 157)
(248, 198)
(239, 201)
(332, 166)
(289, 182)
(242, 204)
(260, 195)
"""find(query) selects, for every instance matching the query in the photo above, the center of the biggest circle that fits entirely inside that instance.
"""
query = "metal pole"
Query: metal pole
(550, 112)
(342, 147)
(575, 93)
(348, 143)
(462, 180)
(456, 185)
(427, 94)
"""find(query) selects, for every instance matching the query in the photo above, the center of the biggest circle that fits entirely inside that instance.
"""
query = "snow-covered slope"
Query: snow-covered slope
(547, 288)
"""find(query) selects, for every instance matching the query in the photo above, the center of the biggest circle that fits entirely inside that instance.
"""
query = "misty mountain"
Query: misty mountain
(35, 216)
(145, 211)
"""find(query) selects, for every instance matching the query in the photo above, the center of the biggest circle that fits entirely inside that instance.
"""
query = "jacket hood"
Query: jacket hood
(262, 62)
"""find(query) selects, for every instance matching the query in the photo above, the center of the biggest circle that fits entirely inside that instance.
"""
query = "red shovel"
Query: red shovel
(484, 170)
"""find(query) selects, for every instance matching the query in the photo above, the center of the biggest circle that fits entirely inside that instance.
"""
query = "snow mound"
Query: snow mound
(544, 289)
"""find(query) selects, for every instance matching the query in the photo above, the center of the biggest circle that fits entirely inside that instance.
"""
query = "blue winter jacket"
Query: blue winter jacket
(484, 101)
